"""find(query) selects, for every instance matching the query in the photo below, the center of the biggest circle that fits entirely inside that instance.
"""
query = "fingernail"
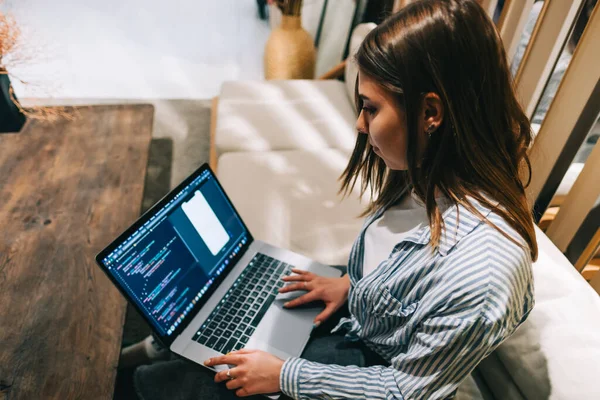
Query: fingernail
(316, 324)
(286, 304)
(279, 290)
(207, 362)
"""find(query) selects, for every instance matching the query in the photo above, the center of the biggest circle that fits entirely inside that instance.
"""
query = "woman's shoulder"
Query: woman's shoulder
(495, 263)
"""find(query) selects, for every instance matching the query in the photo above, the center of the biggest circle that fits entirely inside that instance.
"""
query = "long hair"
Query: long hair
(451, 48)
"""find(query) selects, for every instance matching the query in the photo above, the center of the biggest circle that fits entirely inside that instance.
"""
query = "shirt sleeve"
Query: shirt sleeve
(439, 356)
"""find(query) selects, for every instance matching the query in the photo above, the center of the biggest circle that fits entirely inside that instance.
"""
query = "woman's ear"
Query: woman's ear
(433, 112)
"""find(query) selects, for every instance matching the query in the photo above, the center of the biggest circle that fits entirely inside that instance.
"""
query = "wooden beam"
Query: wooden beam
(511, 24)
(489, 6)
(589, 252)
(335, 72)
(574, 92)
(578, 203)
(595, 282)
(547, 40)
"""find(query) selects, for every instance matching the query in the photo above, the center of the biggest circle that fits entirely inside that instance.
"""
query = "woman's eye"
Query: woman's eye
(369, 110)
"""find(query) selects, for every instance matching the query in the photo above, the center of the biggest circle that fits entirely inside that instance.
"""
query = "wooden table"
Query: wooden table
(66, 190)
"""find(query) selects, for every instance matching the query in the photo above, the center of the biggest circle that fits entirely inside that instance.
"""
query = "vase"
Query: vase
(11, 118)
(290, 52)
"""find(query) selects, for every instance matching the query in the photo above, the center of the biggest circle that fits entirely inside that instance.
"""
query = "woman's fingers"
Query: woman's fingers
(307, 298)
(222, 376)
(226, 359)
(300, 271)
(297, 278)
(294, 287)
(330, 308)
(234, 384)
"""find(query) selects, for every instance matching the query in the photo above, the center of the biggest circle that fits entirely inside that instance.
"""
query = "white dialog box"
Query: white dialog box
(206, 222)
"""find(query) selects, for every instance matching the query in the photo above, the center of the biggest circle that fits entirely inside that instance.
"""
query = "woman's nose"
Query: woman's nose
(361, 126)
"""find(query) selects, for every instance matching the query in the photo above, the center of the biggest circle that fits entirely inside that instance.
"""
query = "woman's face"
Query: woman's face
(384, 121)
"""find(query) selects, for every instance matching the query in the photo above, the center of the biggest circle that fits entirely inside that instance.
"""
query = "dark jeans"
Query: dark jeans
(180, 379)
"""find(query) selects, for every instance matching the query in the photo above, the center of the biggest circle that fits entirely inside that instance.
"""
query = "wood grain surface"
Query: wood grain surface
(66, 190)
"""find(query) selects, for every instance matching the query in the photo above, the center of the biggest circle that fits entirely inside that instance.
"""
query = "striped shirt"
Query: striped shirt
(433, 314)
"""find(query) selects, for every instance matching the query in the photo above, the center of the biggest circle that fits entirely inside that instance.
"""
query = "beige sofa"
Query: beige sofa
(281, 146)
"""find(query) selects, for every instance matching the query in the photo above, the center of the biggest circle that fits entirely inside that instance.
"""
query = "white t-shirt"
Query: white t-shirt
(396, 223)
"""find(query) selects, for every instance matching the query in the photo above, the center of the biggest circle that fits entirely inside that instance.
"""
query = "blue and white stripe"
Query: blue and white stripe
(433, 314)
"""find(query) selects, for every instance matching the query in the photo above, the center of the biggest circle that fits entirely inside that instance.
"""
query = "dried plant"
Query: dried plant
(12, 54)
(289, 7)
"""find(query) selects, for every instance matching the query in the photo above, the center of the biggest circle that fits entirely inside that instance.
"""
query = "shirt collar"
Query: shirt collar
(458, 222)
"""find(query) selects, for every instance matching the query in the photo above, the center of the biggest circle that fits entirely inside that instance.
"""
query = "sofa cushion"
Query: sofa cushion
(555, 354)
(284, 115)
(351, 71)
(290, 199)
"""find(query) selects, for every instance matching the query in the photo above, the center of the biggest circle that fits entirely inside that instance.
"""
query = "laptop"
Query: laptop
(192, 269)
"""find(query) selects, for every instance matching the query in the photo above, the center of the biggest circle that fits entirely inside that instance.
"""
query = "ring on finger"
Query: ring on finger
(229, 374)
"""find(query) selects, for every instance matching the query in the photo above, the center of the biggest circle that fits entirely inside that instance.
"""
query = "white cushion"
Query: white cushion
(351, 71)
(289, 199)
(284, 115)
(555, 354)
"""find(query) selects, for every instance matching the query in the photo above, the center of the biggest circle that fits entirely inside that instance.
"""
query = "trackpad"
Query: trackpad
(283, 330)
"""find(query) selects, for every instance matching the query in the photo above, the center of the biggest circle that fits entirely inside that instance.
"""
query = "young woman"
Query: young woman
(440, 274)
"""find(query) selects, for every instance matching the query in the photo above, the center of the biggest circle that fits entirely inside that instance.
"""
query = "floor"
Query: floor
(142, 49)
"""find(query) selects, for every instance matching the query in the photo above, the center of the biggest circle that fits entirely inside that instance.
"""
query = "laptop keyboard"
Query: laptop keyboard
(241, 309)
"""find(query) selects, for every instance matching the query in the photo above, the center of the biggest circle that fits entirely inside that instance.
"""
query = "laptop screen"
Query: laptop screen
(169, 261)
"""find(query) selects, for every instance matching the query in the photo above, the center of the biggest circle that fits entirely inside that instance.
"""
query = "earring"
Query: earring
(430, 130)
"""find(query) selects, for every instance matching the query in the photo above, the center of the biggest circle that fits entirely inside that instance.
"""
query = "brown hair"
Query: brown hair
(450, 48)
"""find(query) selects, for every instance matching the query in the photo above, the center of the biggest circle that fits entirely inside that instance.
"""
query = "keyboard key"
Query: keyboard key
(237, 305)
(251, 313)
(244, 339)
(229, 346)
(211, 342)
(223, 325)
(220, 344)
(232, 326)
(245, 307)
(250, 331)
(228, 318)
(228, 333)
(213, 325)
(203, 339)
(209, 332)
(246, 292)
(256, 306)
(218, 332)
(247, 320)
(218, 318)
(237, 320)
(263, 310)
(239, 346)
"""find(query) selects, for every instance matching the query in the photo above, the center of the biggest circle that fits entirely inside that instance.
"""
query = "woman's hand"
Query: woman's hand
(255, 372)
(332, 291)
